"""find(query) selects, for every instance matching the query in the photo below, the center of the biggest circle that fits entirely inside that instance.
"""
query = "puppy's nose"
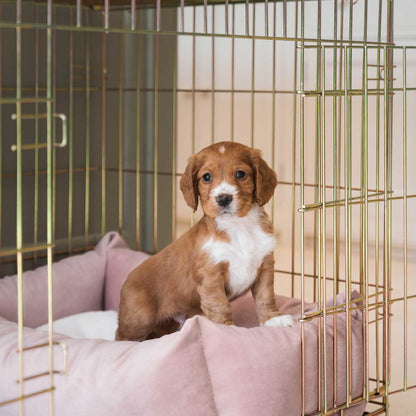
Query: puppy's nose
(224, 199)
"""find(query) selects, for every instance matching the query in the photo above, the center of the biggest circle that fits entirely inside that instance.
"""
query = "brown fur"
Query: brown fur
(181, 279)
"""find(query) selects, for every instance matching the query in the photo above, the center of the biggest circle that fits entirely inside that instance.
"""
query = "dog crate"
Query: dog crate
(103, 101)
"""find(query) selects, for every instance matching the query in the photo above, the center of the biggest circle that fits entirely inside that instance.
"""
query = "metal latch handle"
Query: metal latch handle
(62, 143)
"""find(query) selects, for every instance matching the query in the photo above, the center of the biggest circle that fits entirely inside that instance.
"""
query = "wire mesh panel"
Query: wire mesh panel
(102, 102)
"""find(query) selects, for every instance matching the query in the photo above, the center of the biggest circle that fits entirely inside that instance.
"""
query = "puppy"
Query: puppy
(228, 252)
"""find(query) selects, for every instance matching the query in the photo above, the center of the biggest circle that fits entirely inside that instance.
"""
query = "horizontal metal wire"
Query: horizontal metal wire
(92, 29)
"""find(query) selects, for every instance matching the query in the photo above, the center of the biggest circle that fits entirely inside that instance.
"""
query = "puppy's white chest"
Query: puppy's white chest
(248, 246)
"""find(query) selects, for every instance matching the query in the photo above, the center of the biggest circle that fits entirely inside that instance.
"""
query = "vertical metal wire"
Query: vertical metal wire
(156, 148)
(36, 190)
(285, 19)
(227, 17)
(266, 17)
(232, 74)
(53, 126)
(253, 62)
(294, 138)
(193, 91)
(302, 198)
(174, 138)
(317, 222)
(158, 17)
(107, 14)
(133, 15)
(103, 123)
(1, 125)
(377, 219)
(247, 17)
(71, 133)
(273, 105)
(366, 371)
(19, 230)
(49, 198)
(405, 268)
(206, 16)
(87, 135)
(323, 222)
(120, 129)
(138, 141)
(213, 78)
(347, 195)
(183, 15)
(79, 13)
(335, 196)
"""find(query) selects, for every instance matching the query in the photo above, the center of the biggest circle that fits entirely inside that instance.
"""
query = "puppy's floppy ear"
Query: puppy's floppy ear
(265, 178)
(189, 183)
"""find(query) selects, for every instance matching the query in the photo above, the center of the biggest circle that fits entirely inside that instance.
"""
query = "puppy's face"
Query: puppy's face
(228, 177)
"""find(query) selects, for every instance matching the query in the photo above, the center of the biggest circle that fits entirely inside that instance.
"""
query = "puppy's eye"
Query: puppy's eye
(240, 174)
(207, 178)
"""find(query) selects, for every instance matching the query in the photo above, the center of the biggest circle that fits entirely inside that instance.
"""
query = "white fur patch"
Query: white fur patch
(223, 188)
(222, 149)
(245, 252)
(282, 320)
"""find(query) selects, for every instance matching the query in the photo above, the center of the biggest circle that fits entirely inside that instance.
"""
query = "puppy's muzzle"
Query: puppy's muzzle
(224, 200)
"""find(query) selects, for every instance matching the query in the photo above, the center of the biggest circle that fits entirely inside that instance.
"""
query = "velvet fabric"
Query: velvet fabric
(204, 369)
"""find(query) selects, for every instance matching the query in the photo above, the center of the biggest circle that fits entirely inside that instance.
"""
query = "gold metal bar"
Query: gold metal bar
(87, 136)
(323, 222)
(133, 15)
(232, 74)
(107, 15)
(19, 224)
(213, 79)
(156, 149)
(158, 17)
(366, 339)
(71, 133)
(273, 107)
(193, 92)
(405, 266)
(266, 17)
(335, 196)
(54, 126)
(206, 16)
(227, 16)
(103, 128)
(347, 168)
(183, 15)
(285, 18)
(294, 139)
(120, 129)
(36, 190)
(138, 142)
(21, 398)
(359, 199)
(79, 13)
(174, 139)
(302, 200)
(50, 231)
(24, 249)
(66, 28)
(253, 58)
(63, 141)
(247, 18)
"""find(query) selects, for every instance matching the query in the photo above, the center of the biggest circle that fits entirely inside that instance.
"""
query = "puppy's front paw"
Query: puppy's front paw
(282, 320)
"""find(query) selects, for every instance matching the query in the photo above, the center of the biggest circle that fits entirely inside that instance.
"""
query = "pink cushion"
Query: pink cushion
(120, 262)
(78, 283)
(204, 369)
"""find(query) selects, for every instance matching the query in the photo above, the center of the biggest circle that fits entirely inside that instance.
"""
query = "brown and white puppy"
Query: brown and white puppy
(229, 251)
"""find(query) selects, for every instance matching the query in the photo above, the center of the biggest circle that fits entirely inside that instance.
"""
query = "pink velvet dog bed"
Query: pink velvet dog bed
(204, 369)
